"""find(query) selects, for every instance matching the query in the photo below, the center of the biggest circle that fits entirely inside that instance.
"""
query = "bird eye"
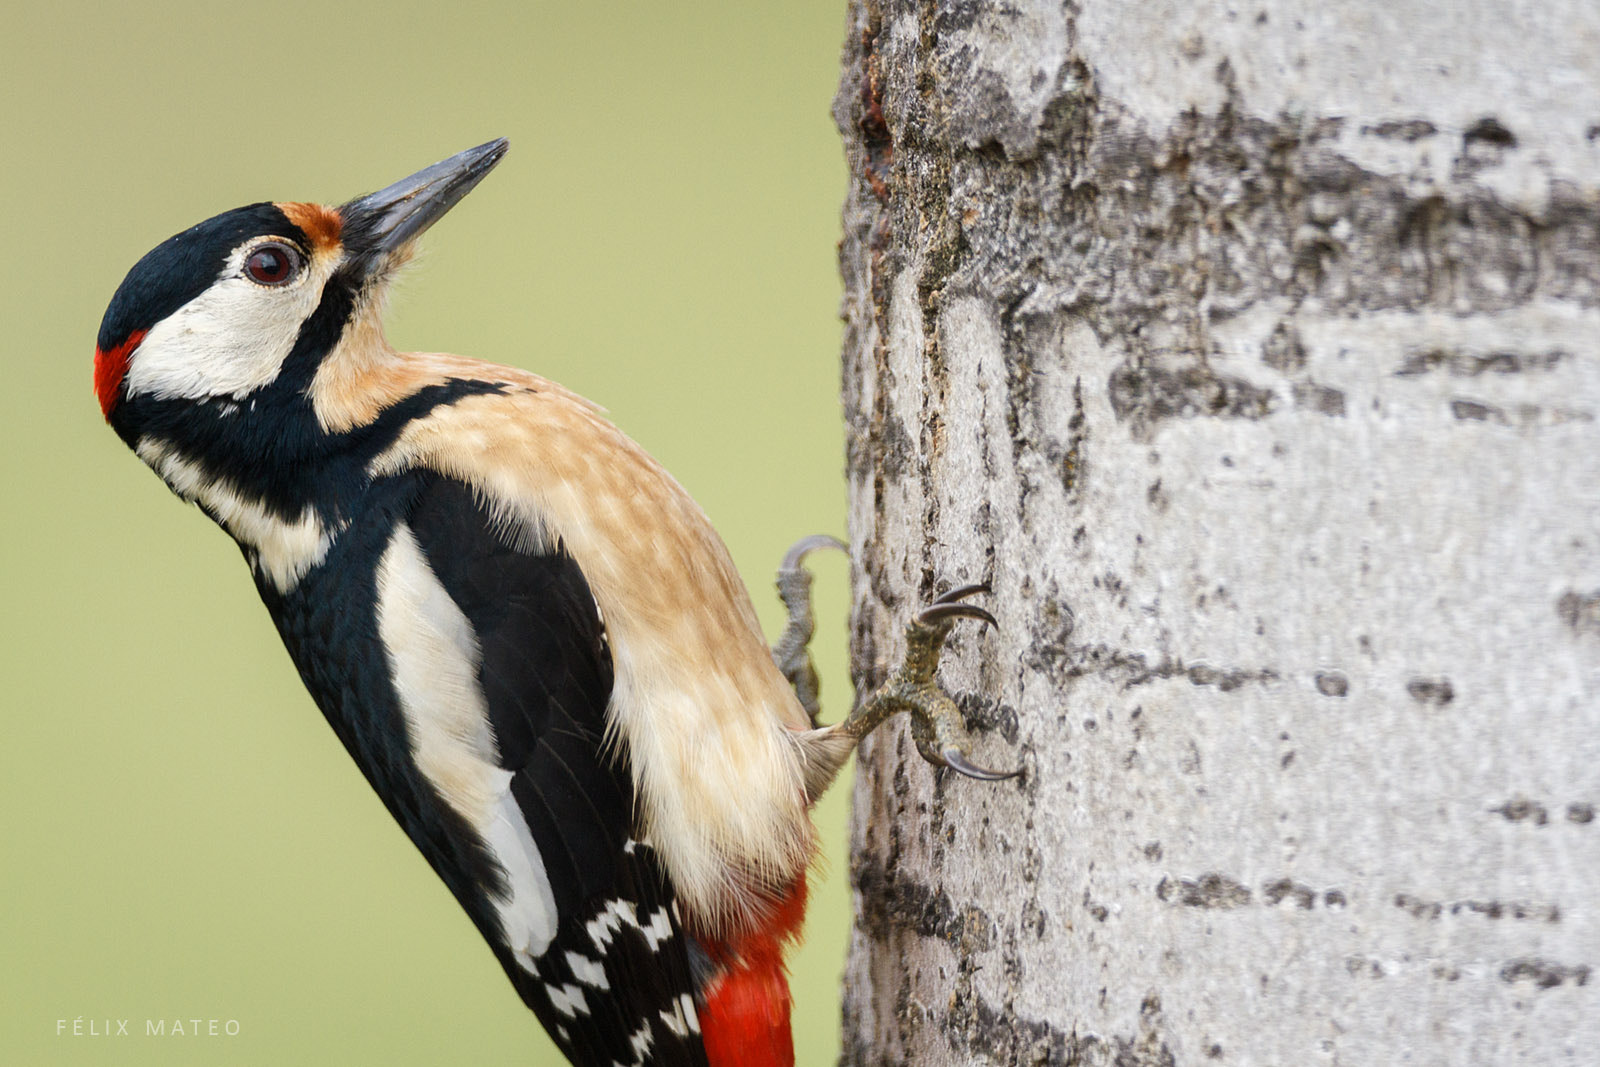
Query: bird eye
(274, 263)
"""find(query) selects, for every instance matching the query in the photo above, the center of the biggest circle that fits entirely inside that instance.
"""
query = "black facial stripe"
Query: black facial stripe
(185, 265)
(271, 445)
(319, 334)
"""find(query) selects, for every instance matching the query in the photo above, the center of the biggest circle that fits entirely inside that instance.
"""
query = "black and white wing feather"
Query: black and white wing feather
(614, 985)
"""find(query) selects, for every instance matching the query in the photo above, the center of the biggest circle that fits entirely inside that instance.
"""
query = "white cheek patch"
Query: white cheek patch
(433, 658)
(231, 339)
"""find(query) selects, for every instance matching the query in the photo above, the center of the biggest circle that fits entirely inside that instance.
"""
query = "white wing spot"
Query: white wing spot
(568, 1000)
(659, 931)
(603, 926)
(686, 1006)
(642, 1040)
(588, 971)
(674, 1020)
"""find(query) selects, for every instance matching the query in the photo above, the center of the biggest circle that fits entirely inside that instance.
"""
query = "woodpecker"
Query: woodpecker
(522, 629)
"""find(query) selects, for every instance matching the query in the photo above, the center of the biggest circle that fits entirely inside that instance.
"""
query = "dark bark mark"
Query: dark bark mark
(1543, 973)
(1580, 611)
(1072, 461)
(1218, 891)
(1063, 662)
(1323, 399)
(1522, 416)
(1418, 908)
(1461, 363)
(1281, 889)
(1489, 131)
(1473, 411)
(984, 715)
(1213, 890)
(1435, 691)
(1228, 680)
(1521, 809)
(892, 903)
(1332, 684)
(977, 1029)
(1408, 130)
(1284, 351)
(1147, 394)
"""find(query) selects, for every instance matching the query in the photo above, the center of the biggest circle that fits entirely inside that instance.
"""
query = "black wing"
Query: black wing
(616, 985)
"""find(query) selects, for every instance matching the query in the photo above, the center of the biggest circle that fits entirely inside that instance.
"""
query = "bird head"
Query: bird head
(257, 295)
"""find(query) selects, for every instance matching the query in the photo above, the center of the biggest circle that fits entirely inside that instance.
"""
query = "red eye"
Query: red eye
(273, 264)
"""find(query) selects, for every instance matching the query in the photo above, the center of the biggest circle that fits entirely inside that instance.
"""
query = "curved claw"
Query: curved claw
(937, 726)
(937, 612)
(794, 589)
(957, 761)
(807, 545)
(961, 592)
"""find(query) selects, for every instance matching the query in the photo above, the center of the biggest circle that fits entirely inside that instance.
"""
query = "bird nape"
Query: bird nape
(525, 633)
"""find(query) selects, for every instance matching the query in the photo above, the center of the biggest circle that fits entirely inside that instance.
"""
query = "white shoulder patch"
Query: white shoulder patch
(433, 657)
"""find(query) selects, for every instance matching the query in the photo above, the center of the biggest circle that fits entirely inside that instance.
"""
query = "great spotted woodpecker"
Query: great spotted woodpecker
(523, 630)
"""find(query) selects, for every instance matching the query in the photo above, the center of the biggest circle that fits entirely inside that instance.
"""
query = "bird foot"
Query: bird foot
(792, 652)
(937, 725)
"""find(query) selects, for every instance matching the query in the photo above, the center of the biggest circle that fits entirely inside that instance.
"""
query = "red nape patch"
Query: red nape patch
(745, 1020)
(110, 367)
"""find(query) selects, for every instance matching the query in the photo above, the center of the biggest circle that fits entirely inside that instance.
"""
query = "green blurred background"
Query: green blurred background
(183, 836)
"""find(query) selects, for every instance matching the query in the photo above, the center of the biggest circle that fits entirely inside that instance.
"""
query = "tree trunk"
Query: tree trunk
(1251, 352)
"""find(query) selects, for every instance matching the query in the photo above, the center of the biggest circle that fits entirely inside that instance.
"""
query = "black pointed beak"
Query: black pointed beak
(384, 222)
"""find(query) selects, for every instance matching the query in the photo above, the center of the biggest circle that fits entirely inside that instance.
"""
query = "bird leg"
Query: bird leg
(791, 652)
(937, 725)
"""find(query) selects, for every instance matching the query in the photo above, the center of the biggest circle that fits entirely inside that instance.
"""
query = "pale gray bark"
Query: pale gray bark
(1251, 351)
